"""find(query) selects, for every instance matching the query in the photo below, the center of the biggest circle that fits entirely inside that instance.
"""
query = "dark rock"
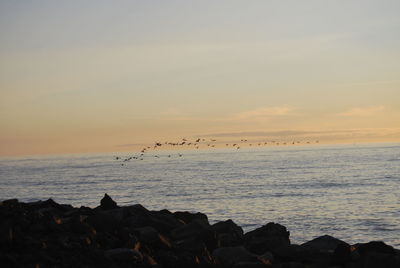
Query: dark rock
(168, 258)
(342, 254)
(376, 254)
(195, 233)
(376, 259)
(48, 204)
(374, 246)
(269, 237)
(135, 211)
(228, 256)
(48, 234)
(78, 225)
(188, 217)
(291, 265)
(117, 214)
(228, 233)
(104, 222)
(324, 243)
(150, 236)
(107, 203)
(136, 216)
(267, 257)
(250, 265)
(163, 221)
(124, 255)
(9, 202)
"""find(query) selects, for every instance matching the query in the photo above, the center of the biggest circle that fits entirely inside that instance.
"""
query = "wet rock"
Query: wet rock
(269, 237)
(229, 256)
(107, 203)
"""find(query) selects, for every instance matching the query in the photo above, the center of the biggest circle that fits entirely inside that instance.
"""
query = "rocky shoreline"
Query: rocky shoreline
(47, 234)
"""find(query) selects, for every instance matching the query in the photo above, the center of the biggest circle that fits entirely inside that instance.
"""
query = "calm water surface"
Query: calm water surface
(350, 192)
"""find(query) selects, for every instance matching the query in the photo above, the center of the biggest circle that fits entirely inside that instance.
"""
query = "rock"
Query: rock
(228, 233)
(267, 257)
(292, 265)
(194, 234)
(188, 217)
(377, 259)
(9, 203)
(103, 222)
(47, 234)
(150, 236)
(250, 265)
(164, 221)
(376, 254)
(107, 203)
(323, 243)
(228, 256)
(342, 254)
(269, 237)
(124, 255)
(374, 246)
(168, 258)
(49, 203)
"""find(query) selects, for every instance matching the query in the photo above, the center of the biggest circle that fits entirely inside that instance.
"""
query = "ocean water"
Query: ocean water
(351, 192)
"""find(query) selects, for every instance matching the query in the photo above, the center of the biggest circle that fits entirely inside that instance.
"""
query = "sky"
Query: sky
(104, 76)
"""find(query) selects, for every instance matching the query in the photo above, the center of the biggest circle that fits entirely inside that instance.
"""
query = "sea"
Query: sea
(351, 192)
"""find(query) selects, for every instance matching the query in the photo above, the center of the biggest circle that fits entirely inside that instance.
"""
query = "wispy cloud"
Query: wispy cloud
(265, 112)
(363, 111)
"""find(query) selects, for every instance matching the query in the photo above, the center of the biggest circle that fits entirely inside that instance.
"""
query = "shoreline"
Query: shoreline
(48, 234)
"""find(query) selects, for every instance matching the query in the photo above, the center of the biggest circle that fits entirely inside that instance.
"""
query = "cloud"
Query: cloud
(260, 133)
(265, 112)
(280, 133)
(363, 111)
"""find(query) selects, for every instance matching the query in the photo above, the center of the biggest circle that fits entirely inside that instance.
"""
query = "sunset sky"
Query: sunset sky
(102, 76)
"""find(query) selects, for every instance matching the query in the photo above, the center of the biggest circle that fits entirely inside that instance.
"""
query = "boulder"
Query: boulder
(342, 254)
(374, 246)
(188, 217)
(376, 254)
(124, 255)
(228, 233)
(269, 237)
(150, 236)
(9, 202)
(323, 243)
(107, 203)
(104, 222)
(248, 264)
(229, 256)
(164, 221)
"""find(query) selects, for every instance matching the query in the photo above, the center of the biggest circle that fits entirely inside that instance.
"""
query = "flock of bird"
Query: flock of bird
(200, 143)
